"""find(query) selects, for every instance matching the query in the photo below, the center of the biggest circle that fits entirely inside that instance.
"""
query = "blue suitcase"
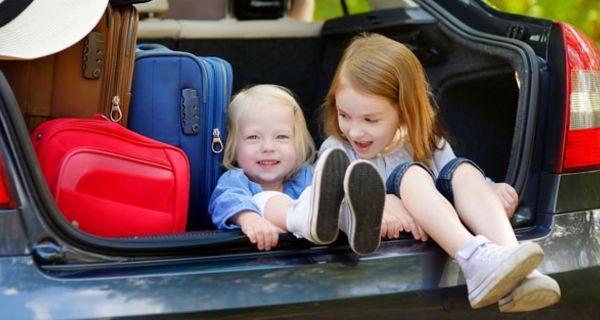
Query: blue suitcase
(182, 100)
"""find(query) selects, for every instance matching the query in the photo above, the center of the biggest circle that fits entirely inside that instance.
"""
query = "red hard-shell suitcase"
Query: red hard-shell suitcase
(110, 181)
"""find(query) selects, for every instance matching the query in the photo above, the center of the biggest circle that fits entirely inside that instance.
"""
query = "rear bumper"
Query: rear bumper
(569, 192)
(403, 277)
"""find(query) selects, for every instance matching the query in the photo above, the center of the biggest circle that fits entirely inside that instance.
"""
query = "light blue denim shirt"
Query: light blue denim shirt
(234, 192)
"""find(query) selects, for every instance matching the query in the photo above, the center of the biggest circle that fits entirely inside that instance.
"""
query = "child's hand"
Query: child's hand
(508, 197)
(259, 230)
(396, 219)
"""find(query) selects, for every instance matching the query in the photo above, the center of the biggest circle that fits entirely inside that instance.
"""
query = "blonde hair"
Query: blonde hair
(379, 66)
(268, 93)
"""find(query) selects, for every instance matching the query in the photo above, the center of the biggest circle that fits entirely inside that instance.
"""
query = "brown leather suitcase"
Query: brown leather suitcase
(92, 76)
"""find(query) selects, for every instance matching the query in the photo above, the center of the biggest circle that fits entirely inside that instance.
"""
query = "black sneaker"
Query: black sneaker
(363, 210)
(328, 193)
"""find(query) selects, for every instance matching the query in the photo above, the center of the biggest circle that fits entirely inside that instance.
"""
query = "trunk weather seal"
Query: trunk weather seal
(519, 165)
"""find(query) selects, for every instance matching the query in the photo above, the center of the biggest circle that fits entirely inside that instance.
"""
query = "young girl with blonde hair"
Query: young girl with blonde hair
(270, 187)
(378, 108)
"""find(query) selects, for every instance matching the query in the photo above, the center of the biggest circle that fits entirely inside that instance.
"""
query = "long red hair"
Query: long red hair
(377, 65)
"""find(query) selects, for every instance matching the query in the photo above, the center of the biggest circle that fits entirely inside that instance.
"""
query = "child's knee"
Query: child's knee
(418, 172)
(467, 170)
(413, 172)
(457, 172)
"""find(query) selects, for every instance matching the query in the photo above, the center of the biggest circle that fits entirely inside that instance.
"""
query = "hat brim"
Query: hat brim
(48, 26)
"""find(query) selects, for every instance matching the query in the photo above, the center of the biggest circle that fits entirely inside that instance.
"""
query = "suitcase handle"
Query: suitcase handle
(150, 46)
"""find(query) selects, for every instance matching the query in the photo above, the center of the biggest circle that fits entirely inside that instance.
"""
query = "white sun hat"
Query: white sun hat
(30, 29)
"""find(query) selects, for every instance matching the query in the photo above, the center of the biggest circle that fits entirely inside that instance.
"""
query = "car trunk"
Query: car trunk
(486, 86)
(474, 84)
(482, 86)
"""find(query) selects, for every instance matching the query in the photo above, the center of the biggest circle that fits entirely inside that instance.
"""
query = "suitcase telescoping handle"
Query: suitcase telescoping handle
(120, 3)
(151, 46)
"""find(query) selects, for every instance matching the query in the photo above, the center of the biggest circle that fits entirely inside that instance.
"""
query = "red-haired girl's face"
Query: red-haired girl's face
(370, 123)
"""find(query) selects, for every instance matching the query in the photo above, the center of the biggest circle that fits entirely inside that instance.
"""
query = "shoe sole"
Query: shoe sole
(502, 280)
(366, 196)
(532, 294)
(328, 195)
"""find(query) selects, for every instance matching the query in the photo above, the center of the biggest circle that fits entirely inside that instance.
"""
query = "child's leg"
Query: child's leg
(490, 271)
(436, 216)
(315, 214)
(299, 216)
(477, 204)
(480, 209)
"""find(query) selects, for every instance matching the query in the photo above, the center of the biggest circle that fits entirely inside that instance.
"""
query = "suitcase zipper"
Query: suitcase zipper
(217, 144)
(122, 69)
(111, 61)
(218, 122)
(125, 63)
(116, 114)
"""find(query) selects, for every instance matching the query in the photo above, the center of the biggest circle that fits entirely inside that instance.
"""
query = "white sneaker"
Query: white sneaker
(492, 271)
(362, 209)
(314, 215)
(536, 291)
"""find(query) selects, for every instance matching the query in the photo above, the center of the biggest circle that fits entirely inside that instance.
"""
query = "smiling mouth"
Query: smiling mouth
(267, 163)
(362, 146)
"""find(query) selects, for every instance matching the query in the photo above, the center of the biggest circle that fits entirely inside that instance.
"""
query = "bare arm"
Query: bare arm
(508, 196)
(396, 219)
(258, 229)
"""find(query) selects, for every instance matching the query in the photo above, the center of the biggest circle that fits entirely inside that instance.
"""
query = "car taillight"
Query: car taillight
(580, 145)
(6, 198)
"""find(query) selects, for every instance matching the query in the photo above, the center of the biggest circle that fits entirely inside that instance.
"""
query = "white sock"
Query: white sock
(344, 222)
(263, 197)
(299, 213)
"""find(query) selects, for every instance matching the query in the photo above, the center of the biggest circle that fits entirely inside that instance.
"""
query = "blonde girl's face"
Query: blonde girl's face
(369, 122)
(265, 149)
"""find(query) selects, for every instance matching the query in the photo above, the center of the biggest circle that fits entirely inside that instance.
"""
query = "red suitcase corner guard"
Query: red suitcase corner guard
(110, 181)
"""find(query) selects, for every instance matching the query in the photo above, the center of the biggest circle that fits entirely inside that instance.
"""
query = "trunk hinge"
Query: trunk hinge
(516, 31)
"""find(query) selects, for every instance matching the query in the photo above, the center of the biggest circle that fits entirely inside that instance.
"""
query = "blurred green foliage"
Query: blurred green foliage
(327, 9)
(583, 14)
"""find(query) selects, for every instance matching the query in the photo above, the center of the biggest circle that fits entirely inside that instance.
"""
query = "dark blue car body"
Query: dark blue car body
(49, 270)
